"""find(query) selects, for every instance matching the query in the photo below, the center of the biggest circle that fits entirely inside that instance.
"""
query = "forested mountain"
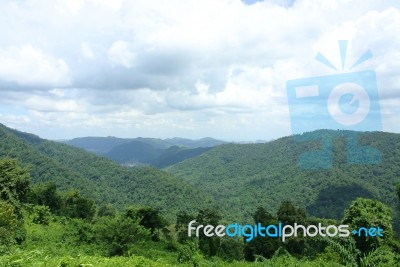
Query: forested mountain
(99, 178)
(234, 177)
(145, 151)
(244, 176)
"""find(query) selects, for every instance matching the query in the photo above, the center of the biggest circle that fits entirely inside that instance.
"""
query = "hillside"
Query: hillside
(99, 178)
(145, 151)
(246, 176)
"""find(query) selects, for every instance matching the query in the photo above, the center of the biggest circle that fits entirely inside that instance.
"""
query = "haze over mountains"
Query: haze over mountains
(145, 151)
(235, 178)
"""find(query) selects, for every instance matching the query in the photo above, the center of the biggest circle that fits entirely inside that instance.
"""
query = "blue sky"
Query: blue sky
(126, 68)
(280, 2)
(250, 2)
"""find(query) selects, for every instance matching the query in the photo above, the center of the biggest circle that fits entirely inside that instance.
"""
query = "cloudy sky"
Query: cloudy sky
(124, 68)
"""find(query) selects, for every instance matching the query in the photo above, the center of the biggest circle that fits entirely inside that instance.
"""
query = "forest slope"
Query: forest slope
(99, 178)
(246, 176)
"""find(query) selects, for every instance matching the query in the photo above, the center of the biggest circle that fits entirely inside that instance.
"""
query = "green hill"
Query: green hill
(244, 176)
(99, 178)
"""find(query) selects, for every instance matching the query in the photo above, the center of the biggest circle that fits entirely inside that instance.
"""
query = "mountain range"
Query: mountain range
(234, 178)
(145, 151)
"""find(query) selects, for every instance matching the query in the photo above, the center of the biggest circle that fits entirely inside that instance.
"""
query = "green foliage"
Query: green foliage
(98, 178)
(398, 195)
(77, 206)
(189, 254)
(369, 213)
(341, 251)
(149, 218)
(231, 249)
(41, 215)
(243, 176)
(14, 186)
(289, 214)
(14, 182)
(107, 210)
(81, 232)
(263, 216)
(382, 256)
(185, 254)
(181, 227)
(46, 195)
(8, 223)
(261, 246)
(208, 245)
(40, 258)
(120, 233)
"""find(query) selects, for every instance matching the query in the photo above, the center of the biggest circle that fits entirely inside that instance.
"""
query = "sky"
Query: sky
(71, 68)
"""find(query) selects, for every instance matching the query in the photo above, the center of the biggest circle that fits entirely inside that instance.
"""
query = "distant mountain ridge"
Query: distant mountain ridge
(145, 151)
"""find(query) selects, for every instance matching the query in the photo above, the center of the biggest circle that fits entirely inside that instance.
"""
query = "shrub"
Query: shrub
(41, 215)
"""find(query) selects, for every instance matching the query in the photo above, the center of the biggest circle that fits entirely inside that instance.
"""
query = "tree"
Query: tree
(14, 183)
(107, 210)
(369, 213)
(149, 218)
(263, 246)
(8, 223)
(181, 226)
(398, 193)
(208, 245)
(263, 216)
(41, 215)
(46, 195)
(289, 214)
(119, 234)
(77, 206)
(14, 186)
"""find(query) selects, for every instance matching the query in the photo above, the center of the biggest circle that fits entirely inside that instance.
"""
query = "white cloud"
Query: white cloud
(120, 54)
(27, 65)
(86, 51)
(192, 68)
